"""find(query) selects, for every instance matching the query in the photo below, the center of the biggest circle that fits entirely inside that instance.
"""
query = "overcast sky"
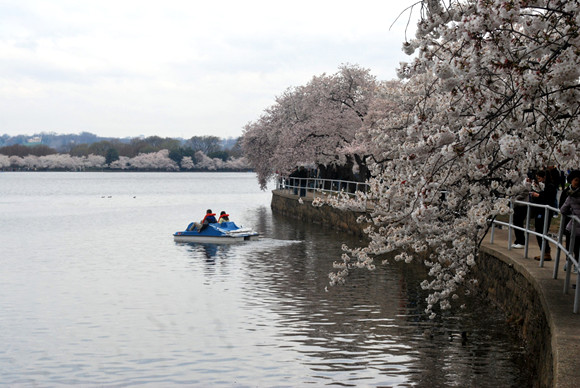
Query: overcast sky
(178, 68)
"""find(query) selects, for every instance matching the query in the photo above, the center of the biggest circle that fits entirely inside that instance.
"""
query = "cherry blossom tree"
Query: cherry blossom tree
(60, 162)
(260, 142)
(16, 161)
(204, 162)
(123, 163)
(30, 162)
(95, 161)
(237, 164)
(187, 163)
(154, 160)
(53, 161)
(4, 161)
(492, 93)
(149, 161)
(312, 124)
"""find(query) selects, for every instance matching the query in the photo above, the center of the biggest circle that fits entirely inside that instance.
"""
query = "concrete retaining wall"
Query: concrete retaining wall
(289, 205)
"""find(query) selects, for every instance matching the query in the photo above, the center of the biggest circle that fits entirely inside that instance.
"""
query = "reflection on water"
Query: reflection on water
(104, 297)
(210, 251)
(371, 331)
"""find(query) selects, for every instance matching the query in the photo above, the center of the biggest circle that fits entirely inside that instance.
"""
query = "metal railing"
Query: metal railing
(319, 186)
(547, 237)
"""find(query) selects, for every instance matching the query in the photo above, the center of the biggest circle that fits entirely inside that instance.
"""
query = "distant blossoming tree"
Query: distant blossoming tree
(16, 161)
(154, 160)
(149, 161)
(120, 164)
(187, 163)
(60, 161)
(492, 94)
(204, 162)
(54, 161)
(4, 161)
(96, 161)
(237, 164)
(31, 162)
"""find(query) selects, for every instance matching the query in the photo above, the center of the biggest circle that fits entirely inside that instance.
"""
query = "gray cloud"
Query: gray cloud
(173, 68)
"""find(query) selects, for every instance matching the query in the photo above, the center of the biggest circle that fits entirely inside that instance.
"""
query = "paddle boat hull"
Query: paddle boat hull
(224, 233)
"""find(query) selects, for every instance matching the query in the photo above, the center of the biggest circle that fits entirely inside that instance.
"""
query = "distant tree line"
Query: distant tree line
(152, 153)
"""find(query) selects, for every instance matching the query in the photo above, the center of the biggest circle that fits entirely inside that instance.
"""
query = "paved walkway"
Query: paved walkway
(564, 324)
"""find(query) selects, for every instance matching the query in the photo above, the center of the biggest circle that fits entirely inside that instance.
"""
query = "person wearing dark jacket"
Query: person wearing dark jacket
(545, 196)
(570, 200)
(566, 190)
(519, 217)
(555, 175)
(208, 219)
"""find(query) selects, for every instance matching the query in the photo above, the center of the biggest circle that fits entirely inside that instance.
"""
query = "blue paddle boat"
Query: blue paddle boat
(224, 233)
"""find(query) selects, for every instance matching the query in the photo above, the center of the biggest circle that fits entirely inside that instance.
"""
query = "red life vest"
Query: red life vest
(208, 219)
(222, 216)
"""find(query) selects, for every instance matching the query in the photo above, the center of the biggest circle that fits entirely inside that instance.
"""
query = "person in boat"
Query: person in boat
(208, 219)
(224, 217)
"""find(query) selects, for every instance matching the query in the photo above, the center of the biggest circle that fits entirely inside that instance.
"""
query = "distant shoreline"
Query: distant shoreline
(127, 170)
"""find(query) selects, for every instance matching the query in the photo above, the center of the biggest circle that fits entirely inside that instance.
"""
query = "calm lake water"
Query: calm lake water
(95, 292)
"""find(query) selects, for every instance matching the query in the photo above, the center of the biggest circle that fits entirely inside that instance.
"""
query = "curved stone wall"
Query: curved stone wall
(289, 205)
(507, 286)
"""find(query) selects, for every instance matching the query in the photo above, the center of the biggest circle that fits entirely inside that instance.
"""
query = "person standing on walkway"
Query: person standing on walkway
(546, 195)
(520, 213)
(571, 187)
(554, 172)
(571, 206)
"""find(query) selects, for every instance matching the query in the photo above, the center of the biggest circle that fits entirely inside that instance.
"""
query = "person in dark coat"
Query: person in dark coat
(545, 196)
(555, 175)
(208, 219)
(570, 200)
(520, 214)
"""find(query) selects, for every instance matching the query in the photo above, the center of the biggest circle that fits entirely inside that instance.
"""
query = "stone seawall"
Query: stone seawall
(288, 205)
(505, 284)
(500, 280)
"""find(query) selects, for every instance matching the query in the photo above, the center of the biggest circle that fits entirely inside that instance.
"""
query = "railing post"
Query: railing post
(577, 293)
(527, 233)
(559, 249)
(569, 262)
